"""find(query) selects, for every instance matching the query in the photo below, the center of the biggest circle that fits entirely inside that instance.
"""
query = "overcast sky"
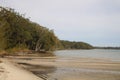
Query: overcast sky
(94, 21)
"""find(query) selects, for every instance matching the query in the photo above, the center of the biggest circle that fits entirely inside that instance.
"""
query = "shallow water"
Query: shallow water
(93, 53)
(87, 73)
(77, 65)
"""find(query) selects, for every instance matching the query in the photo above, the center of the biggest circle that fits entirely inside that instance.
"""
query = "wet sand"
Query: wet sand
(55, 68)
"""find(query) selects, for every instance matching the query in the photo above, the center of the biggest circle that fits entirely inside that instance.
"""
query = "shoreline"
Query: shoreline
(55, 68)
(9, 71)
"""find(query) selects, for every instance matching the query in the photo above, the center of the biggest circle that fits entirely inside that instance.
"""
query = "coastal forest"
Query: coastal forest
(19, 32)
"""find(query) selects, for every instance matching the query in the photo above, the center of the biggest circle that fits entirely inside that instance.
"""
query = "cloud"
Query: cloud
(94, 21)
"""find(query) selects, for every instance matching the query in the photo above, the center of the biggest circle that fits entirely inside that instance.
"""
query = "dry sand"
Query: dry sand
(8, 71)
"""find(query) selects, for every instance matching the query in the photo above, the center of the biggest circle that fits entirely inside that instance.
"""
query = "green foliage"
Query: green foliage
(20, 32)
(75, 45)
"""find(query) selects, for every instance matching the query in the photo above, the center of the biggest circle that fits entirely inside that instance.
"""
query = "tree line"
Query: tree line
(75, 45)
(16, 31)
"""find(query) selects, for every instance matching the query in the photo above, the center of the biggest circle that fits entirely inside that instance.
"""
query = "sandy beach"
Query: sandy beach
(8, 71)
(53, 68)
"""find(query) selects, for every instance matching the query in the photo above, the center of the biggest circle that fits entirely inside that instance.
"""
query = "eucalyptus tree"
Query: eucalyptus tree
(17, 31)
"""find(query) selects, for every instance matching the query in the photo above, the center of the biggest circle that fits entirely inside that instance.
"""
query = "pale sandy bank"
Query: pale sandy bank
(8, 71)
(57, 68)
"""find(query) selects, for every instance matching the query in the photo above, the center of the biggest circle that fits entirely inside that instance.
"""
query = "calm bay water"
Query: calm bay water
(94, 53)
(77, 65)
